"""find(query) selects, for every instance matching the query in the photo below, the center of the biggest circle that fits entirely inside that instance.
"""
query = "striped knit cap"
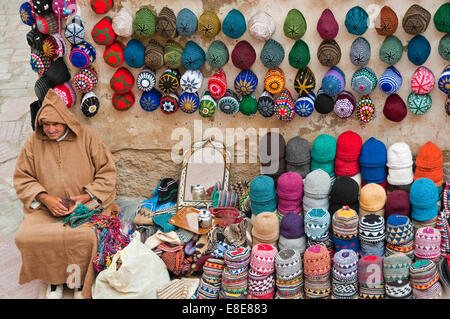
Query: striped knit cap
(434, 292)
(288, 264)
(262, 258)
(290, 289)
(212, 270)
(317, 261)
(423, 274)
(443, 226)
(317, 223)
(400, 289)
(396, 267)
(208, 290)
(370, 276)
(345, 223)
(318, 286)
(345, 265)
(259, 284)
(399, 230)
(427, 243)
(236, 258)
(233, 284)
(344, 289)
(406, 248)
(371, 228)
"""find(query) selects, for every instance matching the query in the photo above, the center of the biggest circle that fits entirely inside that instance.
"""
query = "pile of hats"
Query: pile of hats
(372, 234)
(298, 157)
(266, 229)
(372, 200)
(424, 278)
(272, 147)
(397, 203)
(344, 275)
(234, 276)
(261, 279)
(289, 274)
(400, 167)
(317, 228)
(348, 150)
(316, 270)
(262, 195)
(290, 193)
(211, 280)
(427, 244)
(396, 276)
(323, 153)
(424, 199)
(345, 229)
(429, 162)
(399, 236)
(316, 188)
(345, 191)
(372, 162)
(292, 233)
(370, 277)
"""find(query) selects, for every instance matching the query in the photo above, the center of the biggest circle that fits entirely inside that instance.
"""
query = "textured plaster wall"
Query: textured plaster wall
(142, 142)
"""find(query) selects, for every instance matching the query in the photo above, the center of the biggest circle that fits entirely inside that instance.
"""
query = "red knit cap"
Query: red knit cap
(345, 168)
(397, 203)
(348, 146)
(101, 6)
(327, 25)
(122, 81)
(429, 156)
(103, 32)
(243, 55)
(394, 108)
(123, 102)
(113, 54)
(217, 84)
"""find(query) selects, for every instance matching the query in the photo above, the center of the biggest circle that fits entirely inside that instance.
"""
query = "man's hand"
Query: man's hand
(79, 199)
(53, 203)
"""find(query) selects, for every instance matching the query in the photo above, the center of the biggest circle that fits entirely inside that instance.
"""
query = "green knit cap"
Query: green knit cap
(248, 104)
(441, 18)
(391, 50)
(294, 25)
(272, 54)
(299, 56)
(144, 24)
(172, 54)
(444, 47)
(324, 148)
(217, 54)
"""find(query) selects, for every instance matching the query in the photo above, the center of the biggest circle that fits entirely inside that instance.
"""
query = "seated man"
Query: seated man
(62, 159)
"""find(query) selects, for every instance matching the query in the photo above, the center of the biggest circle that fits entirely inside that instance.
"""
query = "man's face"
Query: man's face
(54, 130)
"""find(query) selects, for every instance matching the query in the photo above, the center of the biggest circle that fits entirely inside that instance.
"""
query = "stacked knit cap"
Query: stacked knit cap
(289, 274)
(235, 273)
(266, 229)
(344, 191)
(345, 104)
(345, 229)
(386, 22)
(424, 199)
(323, 153)
(261, 278)
(272, 148)
(429, 162)
(424, 279)
(298, 156)
(316, 188)
(396, 276)
(327, 26)
(316, 270)
(372, 161)
(370, 276)
(399, 236)
(262, 195)
(372, 199)
(427, 244)
(371, 230)
(400, 167)
(292, 233)
(344, 275)
(261, 26)
(290, 193)
(348, 150)
(211, 279)
(266, 104)
(443, 226)
(317, 229)
(397, 203)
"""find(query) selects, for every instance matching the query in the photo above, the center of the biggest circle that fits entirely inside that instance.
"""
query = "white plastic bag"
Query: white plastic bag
(135, 272)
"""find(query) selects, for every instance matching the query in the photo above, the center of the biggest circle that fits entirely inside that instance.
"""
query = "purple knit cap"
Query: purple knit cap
(292, 226)
(290, 186)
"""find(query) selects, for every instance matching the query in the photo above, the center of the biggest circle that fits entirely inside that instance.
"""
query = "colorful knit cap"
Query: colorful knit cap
(193, 56)
(237, 258)
(134, 54)
(284, 106)
(246, 82)
(54, 47)
(386, 22)
(261, 26)
(41, 88)
(345, 223)
(419, 104)
(444, 81)
(189, 102)
(344, 191)
(234, 25)
(26, 14)
(444, 47)
(317, 223)
(391, 50)
(422, 81)
(166, 23)
(85, 80)
(345, 265)
(305, 81)
(294, 26)
(248, 105)
(217, 55)
(262, 259)
(364, 81)
(122, 81)
(262, 189)
(82, 55)
(217, 84)
(67, 93)
(191, 81)
(348, 145)
(327, 26)
(370, 277)
(150, 100)
(229, 103)
(347, 243)
(274, 81)
(154, 55)
(169, 103)
(399, 230)
(416, 20)
(333, 82)
(356, 20)
(186, 22)
(298, 151)
(429, 156)
(209, 24)
(365, 110)
(207, 106)
(440, 18)
(423, 274)
(260, 286)
(102, 33)
(169, 81)
(299, 55)
(288, 264)
(290, 186)
(144, 23)
(234, 285)
(316, 261)
(329, 53)
(396, 267)
(433, 292)
(345, 104)
(360, 52)
(304, 105)
(419, 49)
(399, 156)
(266, 104)
(371, 229)
(47, 23)
(397, 203)
(123, 102)
(146, 80)
(39, 62)
(89, 104)
(172, 54)
(101, 6)
(114, 54)
(317, 184)
(427, 243)
(390, 81)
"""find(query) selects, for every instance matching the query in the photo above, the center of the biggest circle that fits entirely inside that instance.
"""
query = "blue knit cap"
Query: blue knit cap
(444, 81)
(189, 102)
(186, 22)
(134, 53)
(423, 196)
(234, 24)
(390, 81)
(373, 153)
(82, 55)
(333, 82)
(262, 189)
(419, 49)
(150, 100)
(356, 20)
(245, 82)
(317, 223)
(376, 249)
(304, 106)
(26, 15)
(193, 56)
(399, 229)
(352, 244)
(257, 208)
